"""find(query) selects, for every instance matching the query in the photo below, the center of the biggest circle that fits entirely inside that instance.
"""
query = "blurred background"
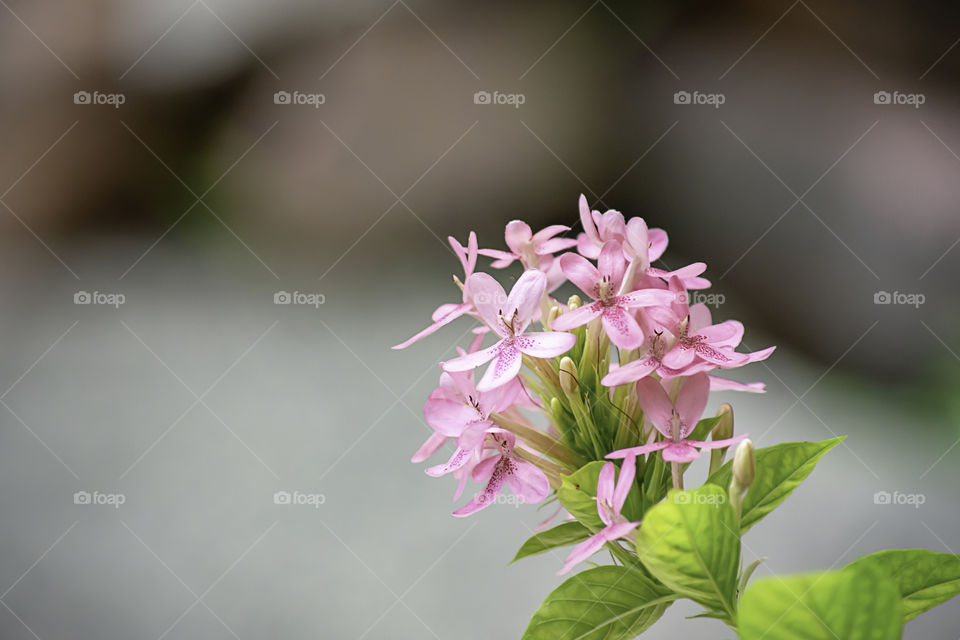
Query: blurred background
(171, 169)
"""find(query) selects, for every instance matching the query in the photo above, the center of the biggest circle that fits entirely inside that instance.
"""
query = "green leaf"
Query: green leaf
(609, 603)
(690, 543)
(779, 470)
(578, 493)
(559, 536)
(924, 578)
(858, 603)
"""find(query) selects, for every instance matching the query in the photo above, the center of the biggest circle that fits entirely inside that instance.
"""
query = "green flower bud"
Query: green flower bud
(569, 377)
(721, 431)
(744, 465)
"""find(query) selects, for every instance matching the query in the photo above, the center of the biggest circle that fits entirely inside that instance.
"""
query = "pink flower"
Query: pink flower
(525, 480)
(447, 313)
(603, 284)
(713, 343)
(639, 243)
(528, 247)
(610, 501)
(675, 420)
(508, 317)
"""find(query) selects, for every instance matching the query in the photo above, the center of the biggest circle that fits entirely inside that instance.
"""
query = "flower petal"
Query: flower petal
(572, 318)
(459, 458)
(525, 297)
(503, 369)
(639, 451)
(527, 481)
(717, 444)
(517, 235)
(472, 360)
(449, 417)
(692, 400)
(656, 405)
(428, 448)
(622, 328)
(724, 384)
(489, 298)
(630, 372)
(628, 471)
(582, 273)
(451, 312)
(611, 263)
(680, 452)
(547, 344)
(489, 494)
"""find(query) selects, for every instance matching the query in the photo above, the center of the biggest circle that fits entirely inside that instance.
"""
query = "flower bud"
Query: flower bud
(744, 461)
(574, 302)
(744, 465)
(569, 378)
(552, 315)
(721, 431)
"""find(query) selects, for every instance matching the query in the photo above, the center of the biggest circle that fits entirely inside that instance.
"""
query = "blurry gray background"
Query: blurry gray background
(199, 198)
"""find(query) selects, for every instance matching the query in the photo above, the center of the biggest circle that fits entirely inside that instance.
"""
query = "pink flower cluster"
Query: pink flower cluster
(670, 350)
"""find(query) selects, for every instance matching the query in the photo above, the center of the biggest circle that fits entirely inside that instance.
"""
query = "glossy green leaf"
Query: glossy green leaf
(690, 543)
(858, 603)
(559, 536)
(780, 469)
(603, 603)
(924, 578)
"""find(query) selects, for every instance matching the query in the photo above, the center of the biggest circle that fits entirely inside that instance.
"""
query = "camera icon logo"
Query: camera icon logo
(881, 97)
(882, 297)
(681, 497)
(81, 97)
(82, 297)
(282, 97)
(282, 297)
(681, 97)
(81, 497)
(282, 497)
(882, 497)
(482, 97)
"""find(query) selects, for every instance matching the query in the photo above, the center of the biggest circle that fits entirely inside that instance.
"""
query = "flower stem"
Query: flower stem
(540, 441)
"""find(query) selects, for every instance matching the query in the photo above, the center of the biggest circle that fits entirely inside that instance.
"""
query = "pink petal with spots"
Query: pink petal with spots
(547, 344)
(622, 328)
(680, 452)
(527, 482)
(459, 458)
(503, 369)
